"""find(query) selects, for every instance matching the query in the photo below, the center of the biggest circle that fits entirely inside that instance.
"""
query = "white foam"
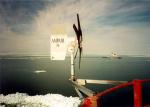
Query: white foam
(48, 100)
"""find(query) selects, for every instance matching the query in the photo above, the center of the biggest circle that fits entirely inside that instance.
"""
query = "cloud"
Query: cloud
(64, 12)
(121, 39)
(109, 24)
(18, 15)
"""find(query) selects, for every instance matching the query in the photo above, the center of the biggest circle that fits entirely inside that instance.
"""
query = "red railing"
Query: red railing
(137, 90)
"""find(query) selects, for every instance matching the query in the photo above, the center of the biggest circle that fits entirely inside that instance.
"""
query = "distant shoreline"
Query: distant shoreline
(84, 56)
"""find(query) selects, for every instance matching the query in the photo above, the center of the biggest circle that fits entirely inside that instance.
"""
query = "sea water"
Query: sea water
(38, 75)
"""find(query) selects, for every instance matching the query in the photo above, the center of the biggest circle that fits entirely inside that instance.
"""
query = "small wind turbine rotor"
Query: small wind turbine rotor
(78, 32)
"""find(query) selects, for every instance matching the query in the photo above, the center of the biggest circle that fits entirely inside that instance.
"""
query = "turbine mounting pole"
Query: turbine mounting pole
(71, 49)
(72, 65)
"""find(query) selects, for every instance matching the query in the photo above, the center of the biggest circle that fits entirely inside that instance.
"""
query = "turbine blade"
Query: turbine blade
(80, 53)
(79, 27)
(75, 29)
(76, 54)
(77, 32)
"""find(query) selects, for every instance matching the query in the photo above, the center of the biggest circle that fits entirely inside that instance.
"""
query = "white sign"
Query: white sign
(58, 43)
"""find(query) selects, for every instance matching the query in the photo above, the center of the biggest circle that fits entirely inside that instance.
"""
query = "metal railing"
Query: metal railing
(95, 100)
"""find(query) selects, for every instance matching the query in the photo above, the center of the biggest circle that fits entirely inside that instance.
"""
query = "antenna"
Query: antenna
(78, 33)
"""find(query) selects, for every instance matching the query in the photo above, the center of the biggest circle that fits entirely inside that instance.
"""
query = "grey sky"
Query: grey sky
(120, 26)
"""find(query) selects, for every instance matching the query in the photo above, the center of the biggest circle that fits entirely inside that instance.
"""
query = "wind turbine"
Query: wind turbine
(79, 83)
(78, 33)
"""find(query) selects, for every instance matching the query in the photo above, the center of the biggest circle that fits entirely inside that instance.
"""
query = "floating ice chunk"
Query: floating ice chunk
(48, 100)
(40, 71)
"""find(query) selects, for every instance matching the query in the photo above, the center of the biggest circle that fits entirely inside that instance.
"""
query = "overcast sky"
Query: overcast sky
(121, 26)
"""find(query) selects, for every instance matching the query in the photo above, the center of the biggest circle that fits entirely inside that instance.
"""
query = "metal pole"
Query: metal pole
(72, 66)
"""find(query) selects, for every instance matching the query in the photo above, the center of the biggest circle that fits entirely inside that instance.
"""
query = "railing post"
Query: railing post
(91, 102)
(137, 87)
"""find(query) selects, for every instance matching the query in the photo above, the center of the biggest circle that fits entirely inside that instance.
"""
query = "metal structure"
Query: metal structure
(79, 83)
(95, 101)
(89, 97)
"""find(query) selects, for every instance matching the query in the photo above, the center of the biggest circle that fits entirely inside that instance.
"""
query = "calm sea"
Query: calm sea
(18, 74)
